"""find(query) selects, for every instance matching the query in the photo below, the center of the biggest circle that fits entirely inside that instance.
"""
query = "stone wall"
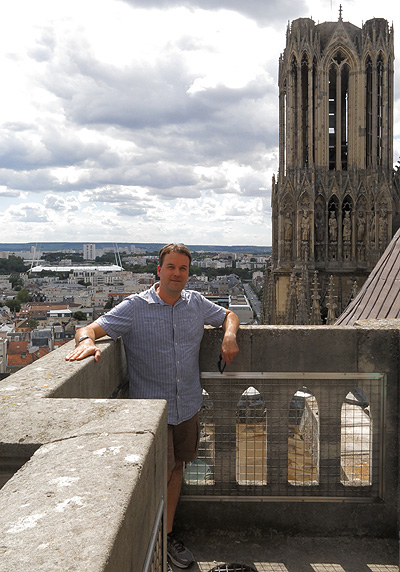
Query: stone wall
(93, 471)
(85, 475)
(362, 349)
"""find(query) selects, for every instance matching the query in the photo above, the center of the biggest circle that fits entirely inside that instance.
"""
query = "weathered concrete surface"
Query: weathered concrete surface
(52, 376)
(66, 508)
(367, 348)
(93, 470)
(275, 552)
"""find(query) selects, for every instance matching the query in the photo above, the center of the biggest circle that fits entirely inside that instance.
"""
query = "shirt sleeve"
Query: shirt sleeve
(118, 321)
(214, 315)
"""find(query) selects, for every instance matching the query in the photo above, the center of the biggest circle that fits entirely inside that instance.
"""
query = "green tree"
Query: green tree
(12, 264)
(79, 315)
(16, 282)
(32, 324)
(108, 257)
(14, 305)
(23, 296)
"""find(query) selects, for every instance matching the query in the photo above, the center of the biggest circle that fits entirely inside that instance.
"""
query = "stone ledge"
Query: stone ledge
(73, 498)
(88, 472)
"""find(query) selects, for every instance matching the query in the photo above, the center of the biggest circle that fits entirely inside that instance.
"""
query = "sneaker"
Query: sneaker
(169, 567)
(179, 555)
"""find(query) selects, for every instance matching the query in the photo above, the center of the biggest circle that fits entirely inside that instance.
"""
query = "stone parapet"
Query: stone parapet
(88, 476)
(84, 475)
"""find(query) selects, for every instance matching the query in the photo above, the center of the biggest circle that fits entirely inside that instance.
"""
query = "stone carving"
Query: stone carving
(347, 227)
(361, 222)
(288, 227)
(319, 224)
(332, 227)
(288, 235)
(305, 226)
(372, 230)
(305, 234)
(382, 229)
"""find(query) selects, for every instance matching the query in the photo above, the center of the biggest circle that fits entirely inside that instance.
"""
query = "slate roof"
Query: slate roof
(379, 298)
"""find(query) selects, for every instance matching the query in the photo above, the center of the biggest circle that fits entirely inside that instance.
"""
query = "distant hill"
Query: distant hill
(148, 246)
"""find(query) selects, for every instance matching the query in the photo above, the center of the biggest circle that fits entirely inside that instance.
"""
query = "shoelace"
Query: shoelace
(177, 545)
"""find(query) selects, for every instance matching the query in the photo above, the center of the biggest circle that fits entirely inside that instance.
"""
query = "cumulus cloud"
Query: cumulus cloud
(156, 118)
(29, 213)
(262, 12)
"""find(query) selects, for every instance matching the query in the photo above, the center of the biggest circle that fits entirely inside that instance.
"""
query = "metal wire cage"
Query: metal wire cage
(290, 436)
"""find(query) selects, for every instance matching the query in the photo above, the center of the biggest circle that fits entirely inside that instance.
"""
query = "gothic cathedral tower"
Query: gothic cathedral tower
(335, 205)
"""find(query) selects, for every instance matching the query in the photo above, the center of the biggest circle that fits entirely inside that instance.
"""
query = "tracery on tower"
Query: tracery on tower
(335, 200)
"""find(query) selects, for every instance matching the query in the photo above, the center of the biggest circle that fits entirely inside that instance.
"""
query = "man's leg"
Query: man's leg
(182, 443)
(173, 492)
(177, 552)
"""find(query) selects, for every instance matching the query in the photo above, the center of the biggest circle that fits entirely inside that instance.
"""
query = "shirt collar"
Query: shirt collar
(153, 298)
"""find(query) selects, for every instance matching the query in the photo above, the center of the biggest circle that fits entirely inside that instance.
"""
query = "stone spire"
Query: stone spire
(291, 308)
(331, 303)
(315, 317)
(302, 316)
(266, 306)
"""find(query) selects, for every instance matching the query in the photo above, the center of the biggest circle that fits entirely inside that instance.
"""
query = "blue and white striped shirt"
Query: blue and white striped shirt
(162, 344)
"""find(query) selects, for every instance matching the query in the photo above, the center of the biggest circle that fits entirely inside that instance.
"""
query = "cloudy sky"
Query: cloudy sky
(147, 120)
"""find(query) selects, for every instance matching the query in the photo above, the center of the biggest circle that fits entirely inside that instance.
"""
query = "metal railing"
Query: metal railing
(290, 436)
(156, 552)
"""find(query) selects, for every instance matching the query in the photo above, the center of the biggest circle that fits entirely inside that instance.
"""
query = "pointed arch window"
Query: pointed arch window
(314, 107)
(379, 109)
(332, 117)
(304, 110)
(251, 439)
(356, 440)
(368, 110)
(339, 73)
(295, 103)
(303, 439)
(201, 471)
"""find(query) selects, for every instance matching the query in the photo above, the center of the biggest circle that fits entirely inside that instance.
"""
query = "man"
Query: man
(162, 330)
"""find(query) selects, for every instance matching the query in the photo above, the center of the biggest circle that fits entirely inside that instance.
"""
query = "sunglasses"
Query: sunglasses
(221, 364)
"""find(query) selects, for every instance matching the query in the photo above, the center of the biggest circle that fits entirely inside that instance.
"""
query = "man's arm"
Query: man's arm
(87, 347)
(230, 348)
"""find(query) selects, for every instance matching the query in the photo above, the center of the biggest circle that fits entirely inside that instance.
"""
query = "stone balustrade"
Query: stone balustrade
(84, 475)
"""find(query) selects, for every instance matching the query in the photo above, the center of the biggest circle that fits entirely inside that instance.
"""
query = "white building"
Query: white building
(240, 305)
(89, 252)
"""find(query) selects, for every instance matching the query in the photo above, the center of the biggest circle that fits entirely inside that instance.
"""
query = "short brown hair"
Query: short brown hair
(172, 247)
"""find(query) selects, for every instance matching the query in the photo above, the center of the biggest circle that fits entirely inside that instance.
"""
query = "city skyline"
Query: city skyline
(147, 120)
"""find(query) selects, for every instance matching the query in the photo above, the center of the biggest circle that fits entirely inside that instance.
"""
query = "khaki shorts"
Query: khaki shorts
(183, 441)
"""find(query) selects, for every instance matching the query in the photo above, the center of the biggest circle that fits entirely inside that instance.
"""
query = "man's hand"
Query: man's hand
(87, 347)
(229, 348)
(84, 349)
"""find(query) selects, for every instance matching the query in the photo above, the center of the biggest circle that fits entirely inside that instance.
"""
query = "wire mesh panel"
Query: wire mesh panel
(303, 439)
(251, 438)
(356, 440)
(290, 436)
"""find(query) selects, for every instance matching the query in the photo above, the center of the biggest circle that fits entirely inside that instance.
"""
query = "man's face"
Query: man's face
(174, 272)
